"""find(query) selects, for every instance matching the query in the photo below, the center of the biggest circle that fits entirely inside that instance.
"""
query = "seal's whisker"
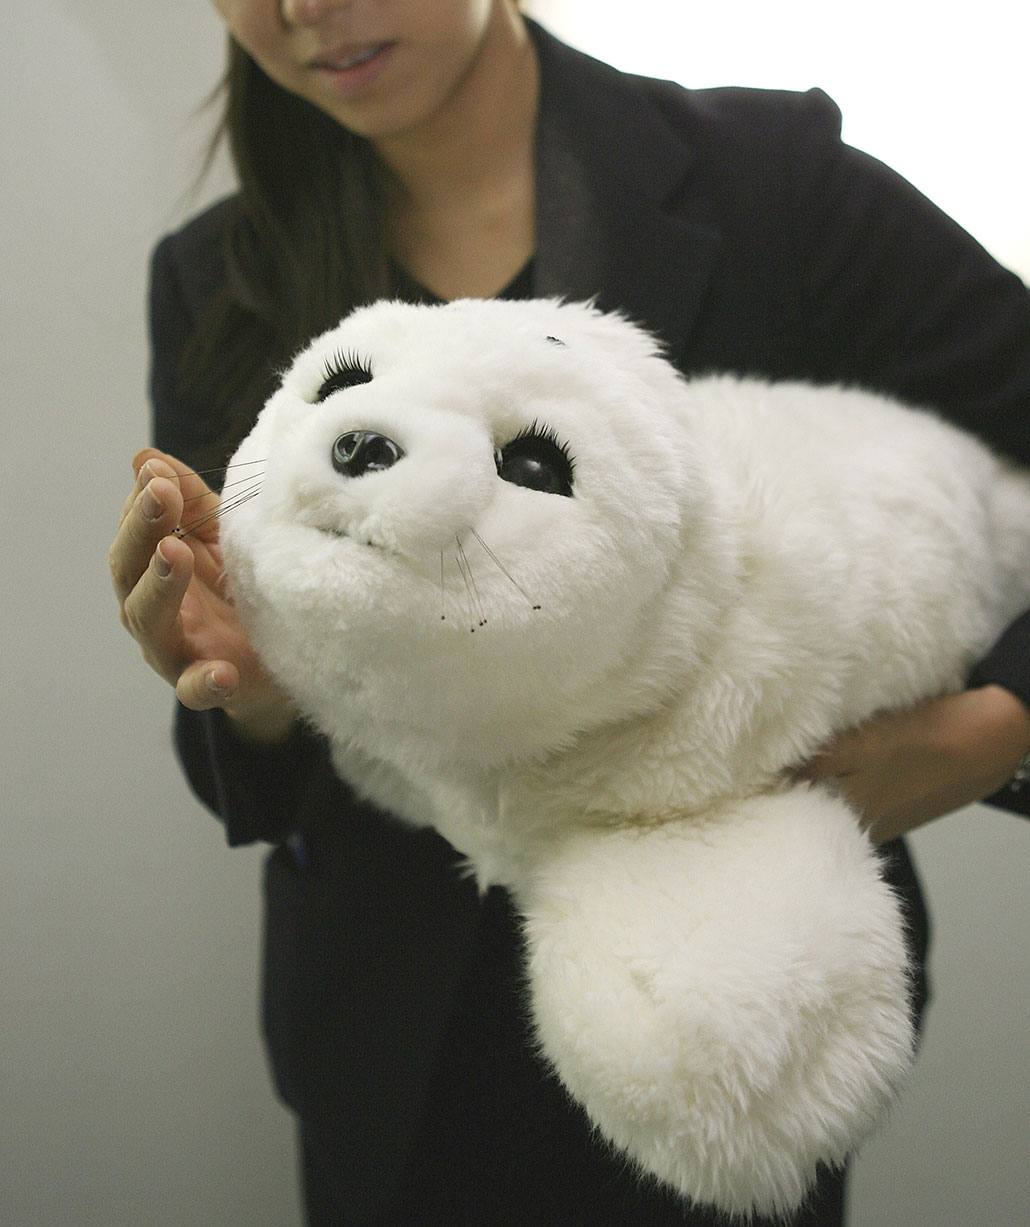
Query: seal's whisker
(476, 610)
(475, 607)
(224, 468)
(246, 479)
(502, 568)
(218, 468)
(252, 487)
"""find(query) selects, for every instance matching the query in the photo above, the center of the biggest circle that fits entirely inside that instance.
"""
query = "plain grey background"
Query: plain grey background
(133, 1089)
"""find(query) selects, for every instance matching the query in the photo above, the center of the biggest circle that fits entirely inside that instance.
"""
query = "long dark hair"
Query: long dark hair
(303, 247)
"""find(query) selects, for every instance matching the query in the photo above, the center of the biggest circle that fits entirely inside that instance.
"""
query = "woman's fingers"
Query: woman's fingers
(150, 515)
(206, 684)
(151, 568)
(169, 588)
(151, 611)
(199, 502)
(903, 768)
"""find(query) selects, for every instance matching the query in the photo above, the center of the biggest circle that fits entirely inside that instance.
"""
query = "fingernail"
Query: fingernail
(152, 509)
(161, 564)
(214, 687)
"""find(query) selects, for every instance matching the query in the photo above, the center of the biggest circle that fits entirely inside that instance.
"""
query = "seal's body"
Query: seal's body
(582, 616)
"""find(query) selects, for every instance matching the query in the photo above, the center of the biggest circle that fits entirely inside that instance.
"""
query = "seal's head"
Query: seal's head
(520, 470)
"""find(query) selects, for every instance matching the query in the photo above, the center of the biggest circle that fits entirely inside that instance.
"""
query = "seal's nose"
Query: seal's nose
(364, 451)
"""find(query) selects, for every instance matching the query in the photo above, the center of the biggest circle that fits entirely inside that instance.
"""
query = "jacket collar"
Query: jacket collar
(608, 169)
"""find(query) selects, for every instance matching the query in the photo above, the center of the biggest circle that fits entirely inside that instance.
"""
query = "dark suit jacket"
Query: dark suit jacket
(735, 225)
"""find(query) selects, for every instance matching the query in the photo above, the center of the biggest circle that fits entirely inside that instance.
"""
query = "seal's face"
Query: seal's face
(519, 470)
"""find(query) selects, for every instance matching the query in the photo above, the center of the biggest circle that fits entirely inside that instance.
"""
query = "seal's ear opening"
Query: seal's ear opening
(557, 341)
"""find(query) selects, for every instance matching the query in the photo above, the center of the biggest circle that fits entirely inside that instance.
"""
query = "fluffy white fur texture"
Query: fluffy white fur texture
(715, 967)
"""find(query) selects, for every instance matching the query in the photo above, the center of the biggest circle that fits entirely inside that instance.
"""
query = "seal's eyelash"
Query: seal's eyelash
(343, 369)
(537, 430)
(342, 360)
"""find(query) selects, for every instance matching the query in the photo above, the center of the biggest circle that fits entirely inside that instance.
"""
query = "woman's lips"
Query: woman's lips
(352, 69)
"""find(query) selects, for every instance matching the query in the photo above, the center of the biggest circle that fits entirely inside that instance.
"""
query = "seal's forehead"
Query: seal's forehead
(499, 323)
(502, 339)
(493, 358)
(464, 323)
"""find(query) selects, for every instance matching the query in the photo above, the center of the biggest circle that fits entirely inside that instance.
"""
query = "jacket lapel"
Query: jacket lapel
(608, 170)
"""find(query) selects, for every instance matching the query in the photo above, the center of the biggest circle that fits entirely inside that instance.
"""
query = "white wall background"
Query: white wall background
(133, 1091)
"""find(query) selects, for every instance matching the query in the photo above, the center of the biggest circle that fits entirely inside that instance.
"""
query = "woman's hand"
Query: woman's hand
(174, 604)
(901, 769)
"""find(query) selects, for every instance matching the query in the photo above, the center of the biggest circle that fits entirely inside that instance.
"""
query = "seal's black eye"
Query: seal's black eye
(535, 459)
(343, 371)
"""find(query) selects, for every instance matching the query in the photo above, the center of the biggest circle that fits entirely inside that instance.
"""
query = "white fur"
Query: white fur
(716, 968)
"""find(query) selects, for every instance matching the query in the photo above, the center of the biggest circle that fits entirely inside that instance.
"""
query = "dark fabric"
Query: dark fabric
(502, 1145)
(737, 226)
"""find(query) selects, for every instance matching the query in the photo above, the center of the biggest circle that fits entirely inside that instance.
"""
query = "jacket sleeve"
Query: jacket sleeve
(898, 297)
(259, 794)
(916, 307)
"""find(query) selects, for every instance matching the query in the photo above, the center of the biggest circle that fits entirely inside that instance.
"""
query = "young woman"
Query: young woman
(446, 148)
